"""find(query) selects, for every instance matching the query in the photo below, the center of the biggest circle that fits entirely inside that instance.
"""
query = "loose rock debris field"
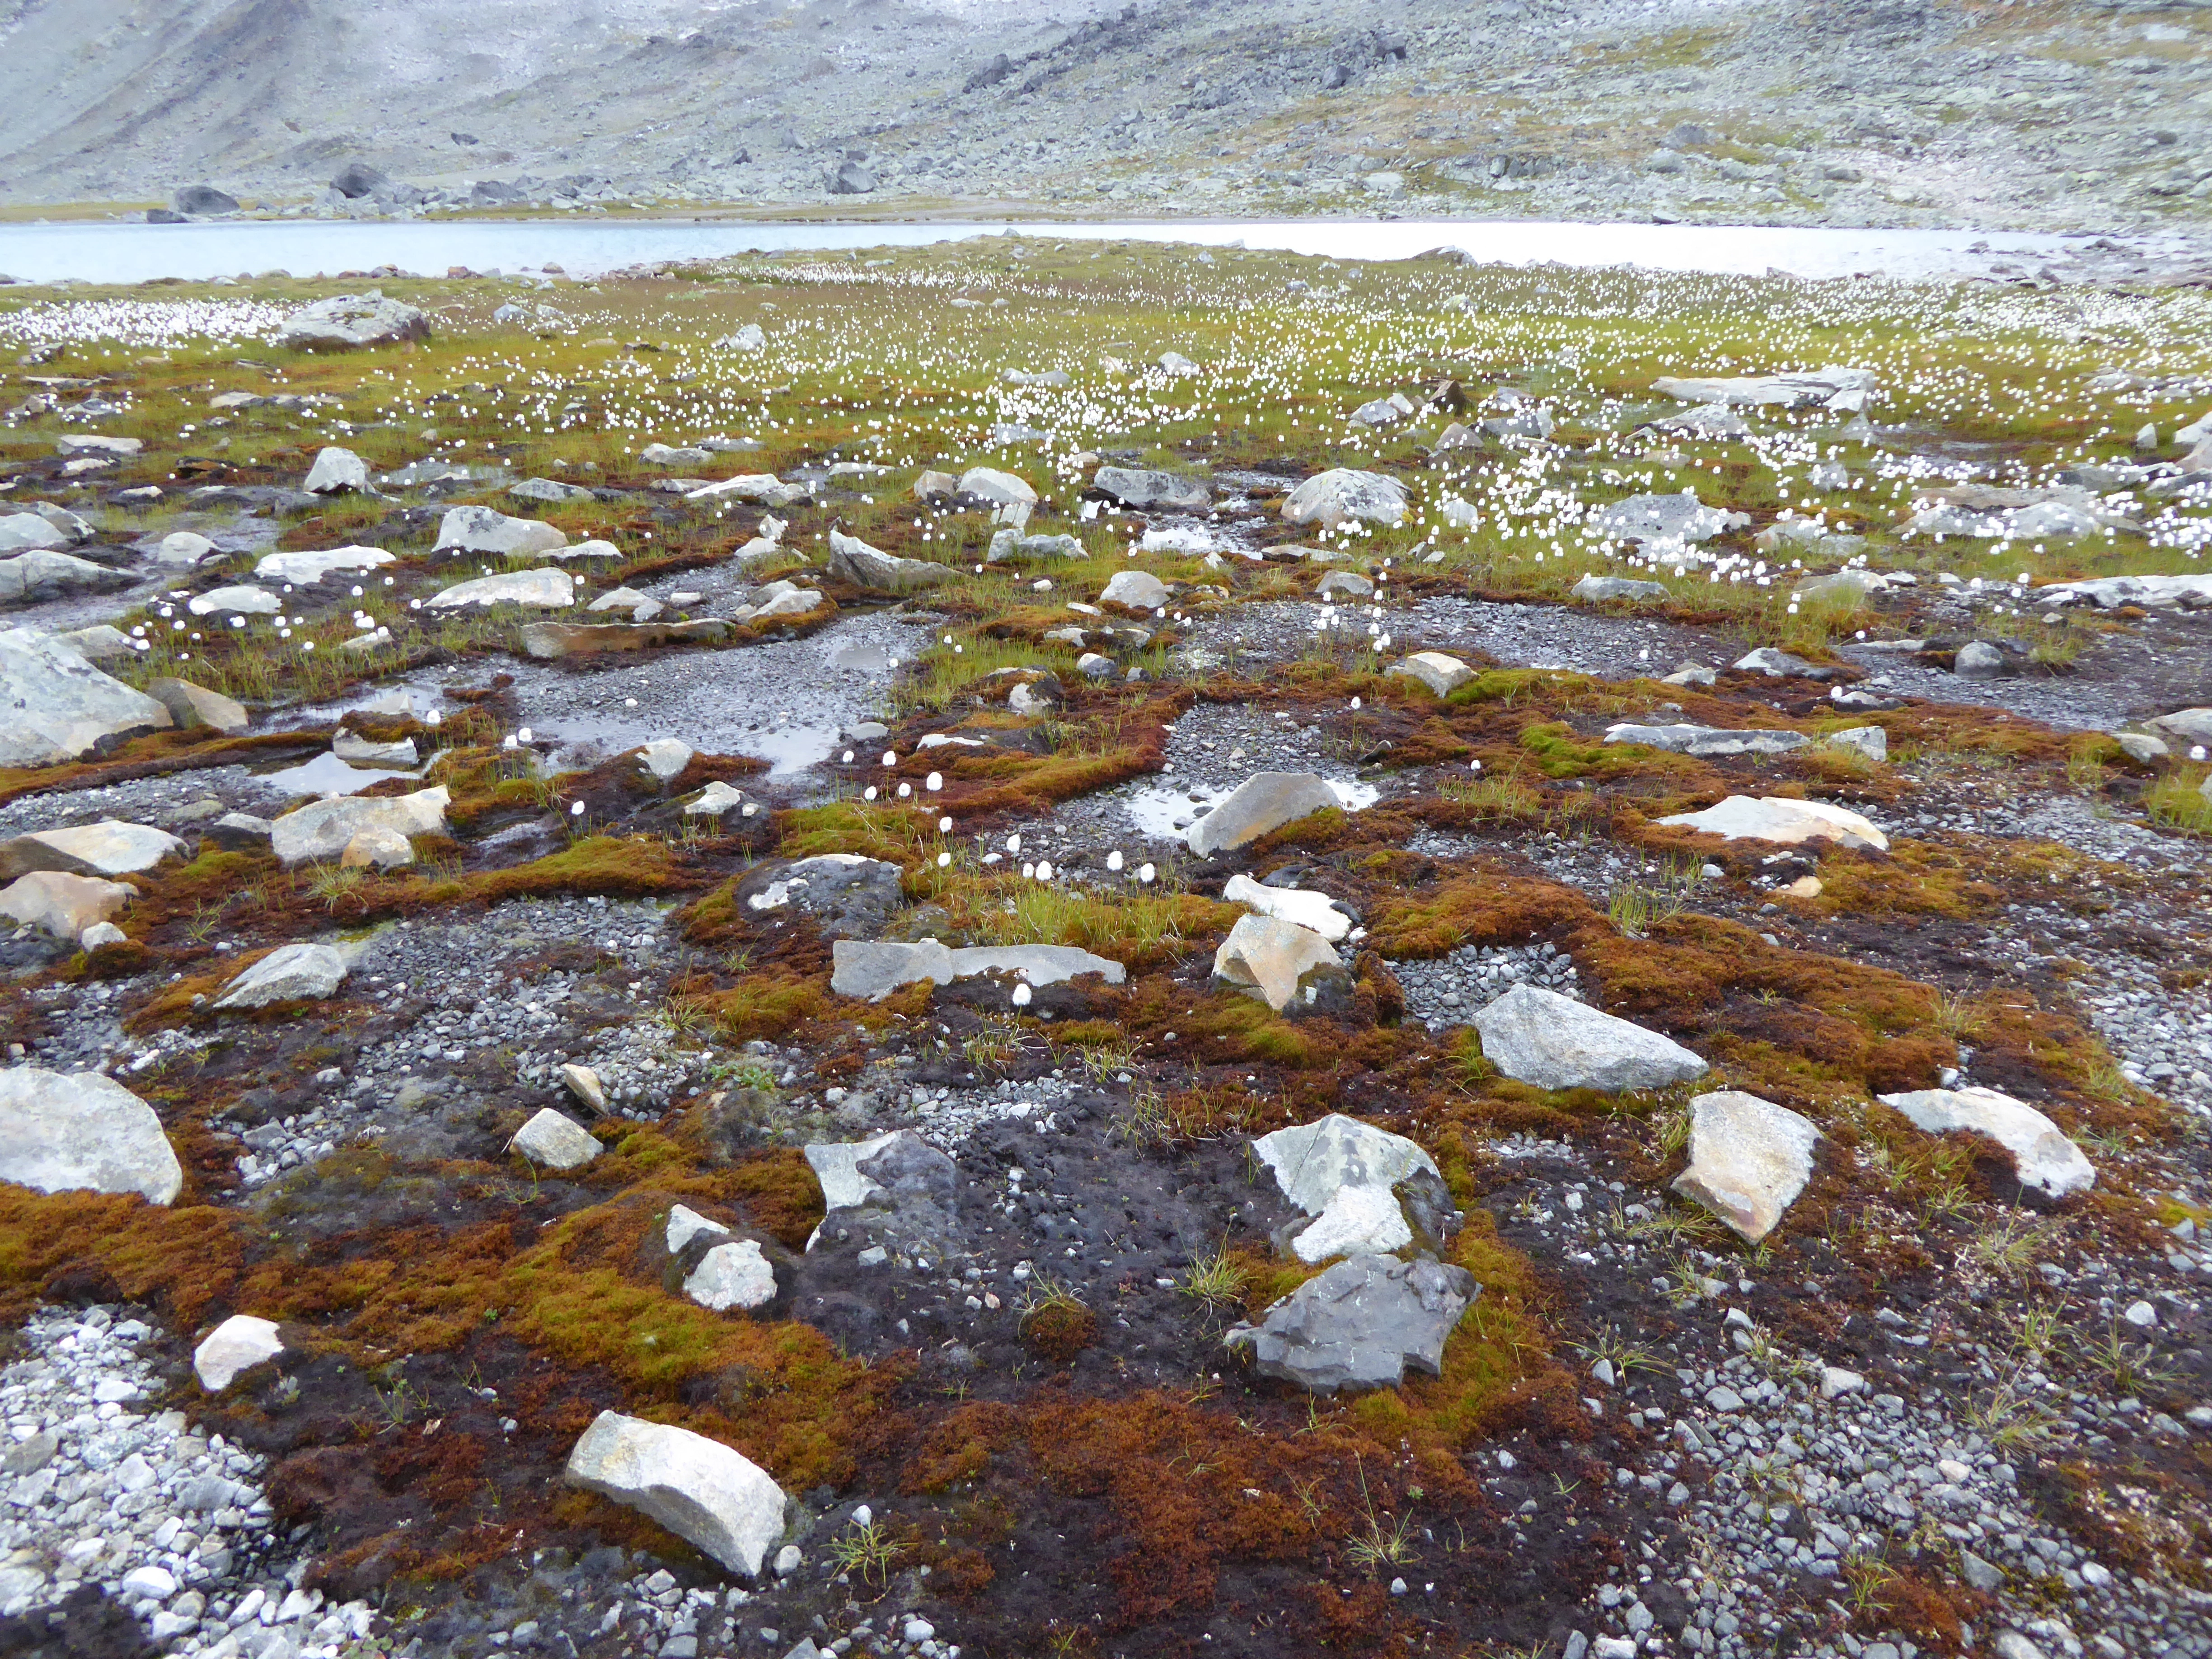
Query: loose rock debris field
(1021, 951)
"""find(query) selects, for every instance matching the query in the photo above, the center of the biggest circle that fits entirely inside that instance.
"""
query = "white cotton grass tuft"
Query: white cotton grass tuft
(1145, 873)
(1114, 861)
(1021, 994)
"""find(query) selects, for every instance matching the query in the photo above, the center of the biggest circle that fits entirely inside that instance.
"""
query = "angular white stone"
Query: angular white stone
(557, 1142)
(686, 1224)
(664, 757)
(836, 1165)
(2042, 1155)
(733, 1275)
(294, 972)
(20, 531)
(63, 1133)
(705, 1492)
(1749, 818)
(54, 705)
(1316, 912)
(234, 601)
(1836, 1382)
(989, 483)
(336, 470)
(1749, 1159)
(1355, 1221)
(1137, 590)
(1345, 495)
(1441, 674)
(238, 1344)
(1271, 955)
(1540, 1037)
(1263, 802)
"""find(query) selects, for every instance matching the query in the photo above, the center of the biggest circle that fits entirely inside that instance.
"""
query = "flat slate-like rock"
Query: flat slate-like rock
(547, 588)
(548, 640)
(23, 530)
(1706, 741)
(1593, 589)
(109, 847)
(1312, 1161)
(1823, 385)
(1663, 518)
(1316, 912)
(989, 483)
(1265, 801)
(321, 829)
(708, 1494)
(848, 896)
(45, 574)
(55, 706)
(300, 971)
(303, 569)
(1749, 1159)
(2042, 1155)
(82, 1130)
(1359, 1325)
(1553, 1041)
(194, 708)
(1779, 819)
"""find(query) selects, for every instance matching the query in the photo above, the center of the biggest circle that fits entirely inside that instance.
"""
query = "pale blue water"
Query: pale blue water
(135, 253)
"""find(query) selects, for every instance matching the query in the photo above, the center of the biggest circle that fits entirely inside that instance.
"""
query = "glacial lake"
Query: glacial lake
(118, 254)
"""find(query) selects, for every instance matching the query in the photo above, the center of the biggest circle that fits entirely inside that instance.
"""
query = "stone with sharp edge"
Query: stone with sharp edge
(1749, 1159)
(1314, 911)
(238, 1345)
(1264, 802)
(2042, 1156)
(1359, 1324)
(557, 1142)
(1790, 823)
(1272, 956)
(1441, 674)
(1553, 1041)
(300, 971)
(82, 1130)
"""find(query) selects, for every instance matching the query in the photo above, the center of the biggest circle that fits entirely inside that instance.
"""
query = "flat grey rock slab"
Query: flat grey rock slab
(82, 1131)
(1749, 1158)
(1359, 1325)
(1553, 1041)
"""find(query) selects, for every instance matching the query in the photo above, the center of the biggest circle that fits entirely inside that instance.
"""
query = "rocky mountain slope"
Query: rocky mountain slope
(2037, 115)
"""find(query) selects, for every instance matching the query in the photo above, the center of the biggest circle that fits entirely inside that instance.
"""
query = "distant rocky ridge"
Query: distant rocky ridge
(1848, 112)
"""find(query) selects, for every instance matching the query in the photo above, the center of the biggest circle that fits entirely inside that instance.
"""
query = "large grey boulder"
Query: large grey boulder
(321, 829)
(201, 200)
(1345, 495)
(1790, 823)
(865, 567)
(1148, 490)
(109, 847)
(351, 321)
(1705, 741)
(1553, 1041)
(299, 972)
(1359, 1324)
(1312, 1161)
(487, 530)
(1274, 959)
(45, 574)
(1749, 1159)
(2042, 1156)
(1265, 801)
(708, 1494)
(1673, 518)
(2190, 725)
(547, 589)
(63, 1133)
(1000, 488)
(848, 896)
(873, 969)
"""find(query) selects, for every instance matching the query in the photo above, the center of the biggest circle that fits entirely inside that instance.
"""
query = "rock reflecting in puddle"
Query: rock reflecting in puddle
(862, 658)
(327, 774)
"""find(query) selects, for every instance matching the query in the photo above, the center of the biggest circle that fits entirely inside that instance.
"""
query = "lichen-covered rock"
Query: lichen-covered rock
(349, 322)
(1346, 495)
(322, 829)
